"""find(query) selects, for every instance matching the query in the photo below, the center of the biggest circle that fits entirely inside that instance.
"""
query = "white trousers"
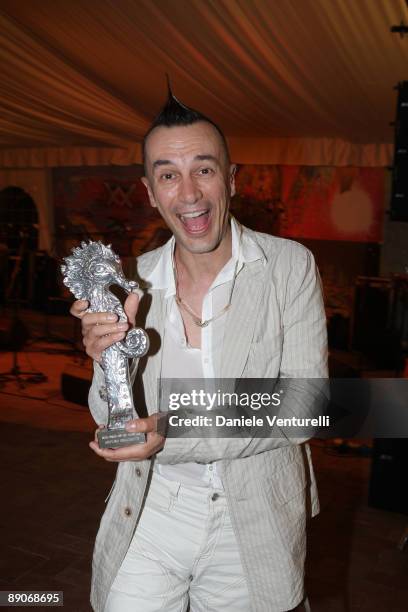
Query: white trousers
(184, 551)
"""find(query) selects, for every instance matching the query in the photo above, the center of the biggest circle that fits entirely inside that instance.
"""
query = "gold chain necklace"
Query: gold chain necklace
(196, 319)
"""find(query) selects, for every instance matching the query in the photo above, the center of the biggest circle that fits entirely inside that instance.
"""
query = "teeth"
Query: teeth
(193, 215)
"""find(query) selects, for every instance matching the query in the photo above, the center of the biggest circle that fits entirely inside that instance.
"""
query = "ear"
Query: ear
(149, 190)
(232, 170)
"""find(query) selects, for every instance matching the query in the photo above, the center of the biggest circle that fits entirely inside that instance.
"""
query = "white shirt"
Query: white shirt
(182, 361)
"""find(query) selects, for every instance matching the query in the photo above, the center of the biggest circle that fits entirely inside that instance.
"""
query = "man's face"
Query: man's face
(190, 181)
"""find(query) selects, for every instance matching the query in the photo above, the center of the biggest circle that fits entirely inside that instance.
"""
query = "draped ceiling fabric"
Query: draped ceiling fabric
(293, 82)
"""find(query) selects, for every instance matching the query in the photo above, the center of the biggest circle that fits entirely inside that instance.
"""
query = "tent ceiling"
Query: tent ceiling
(80, 73)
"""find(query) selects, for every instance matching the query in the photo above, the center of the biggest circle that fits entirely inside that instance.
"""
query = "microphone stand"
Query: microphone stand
(21, 377)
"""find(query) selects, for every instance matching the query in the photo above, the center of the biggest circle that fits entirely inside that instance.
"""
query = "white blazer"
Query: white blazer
(276, 327)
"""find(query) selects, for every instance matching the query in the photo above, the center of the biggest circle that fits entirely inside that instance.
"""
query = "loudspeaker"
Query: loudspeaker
(373, 332)
(75, 383)
(388, 483)
(399, 197)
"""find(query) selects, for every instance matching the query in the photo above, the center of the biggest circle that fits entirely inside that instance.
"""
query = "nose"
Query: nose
(190, 192)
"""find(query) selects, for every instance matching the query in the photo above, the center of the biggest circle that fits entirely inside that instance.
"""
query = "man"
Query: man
(218, 524)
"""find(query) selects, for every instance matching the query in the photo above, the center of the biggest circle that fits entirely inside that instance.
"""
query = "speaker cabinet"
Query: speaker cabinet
(75, 383)
(372, 332)
(388, 483)
(399, 197)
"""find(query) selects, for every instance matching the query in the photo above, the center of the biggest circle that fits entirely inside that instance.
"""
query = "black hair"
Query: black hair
(175, 113)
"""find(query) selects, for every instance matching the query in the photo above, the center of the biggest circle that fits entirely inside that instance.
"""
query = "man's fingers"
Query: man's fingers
(102, 329)
(99, 330)
(79, 308)
(98, 318)
(131, 306)
(95, 347)
(143, 425)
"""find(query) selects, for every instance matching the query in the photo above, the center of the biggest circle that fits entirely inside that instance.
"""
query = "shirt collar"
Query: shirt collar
(244, 250)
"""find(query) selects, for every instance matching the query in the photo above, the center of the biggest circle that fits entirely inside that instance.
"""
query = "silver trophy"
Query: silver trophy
(89, 272)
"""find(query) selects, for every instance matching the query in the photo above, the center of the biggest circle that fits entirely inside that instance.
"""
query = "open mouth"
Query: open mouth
(196, 222)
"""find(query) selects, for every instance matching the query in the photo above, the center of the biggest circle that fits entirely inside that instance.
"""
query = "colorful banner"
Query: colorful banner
(323, 203)
(104, 203)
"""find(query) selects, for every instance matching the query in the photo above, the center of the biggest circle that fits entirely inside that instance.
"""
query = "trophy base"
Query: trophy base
(116, 438)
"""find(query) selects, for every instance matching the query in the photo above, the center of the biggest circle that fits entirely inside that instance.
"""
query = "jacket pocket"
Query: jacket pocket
(286, 484)
(285, 493)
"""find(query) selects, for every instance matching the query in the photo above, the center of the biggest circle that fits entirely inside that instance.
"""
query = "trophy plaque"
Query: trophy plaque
(89, 272)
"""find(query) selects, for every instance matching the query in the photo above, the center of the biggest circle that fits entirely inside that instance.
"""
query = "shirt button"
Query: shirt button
(128, 511)
(138, 472)
(215, 496)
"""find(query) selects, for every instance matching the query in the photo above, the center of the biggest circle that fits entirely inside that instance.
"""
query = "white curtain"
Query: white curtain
(293, 82)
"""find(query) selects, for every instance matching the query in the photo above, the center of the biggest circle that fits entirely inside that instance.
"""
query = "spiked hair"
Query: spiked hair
(175, 113)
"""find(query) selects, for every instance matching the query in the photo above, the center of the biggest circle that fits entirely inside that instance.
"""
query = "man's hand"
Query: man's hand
(102, 329)
(135, 452)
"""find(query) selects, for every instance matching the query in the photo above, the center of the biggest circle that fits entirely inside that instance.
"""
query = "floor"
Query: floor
(353, 560)
(54, 489)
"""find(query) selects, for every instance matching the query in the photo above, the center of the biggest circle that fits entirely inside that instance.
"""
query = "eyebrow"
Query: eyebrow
(161, 162)
(166, 162)
(207, 157)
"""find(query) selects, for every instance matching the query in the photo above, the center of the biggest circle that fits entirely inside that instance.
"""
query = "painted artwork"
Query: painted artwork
(323, 203)
(105, 203)
(300, 202)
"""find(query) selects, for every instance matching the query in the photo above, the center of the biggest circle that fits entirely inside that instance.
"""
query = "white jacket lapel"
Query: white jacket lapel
(241, 320)
(155, 328)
